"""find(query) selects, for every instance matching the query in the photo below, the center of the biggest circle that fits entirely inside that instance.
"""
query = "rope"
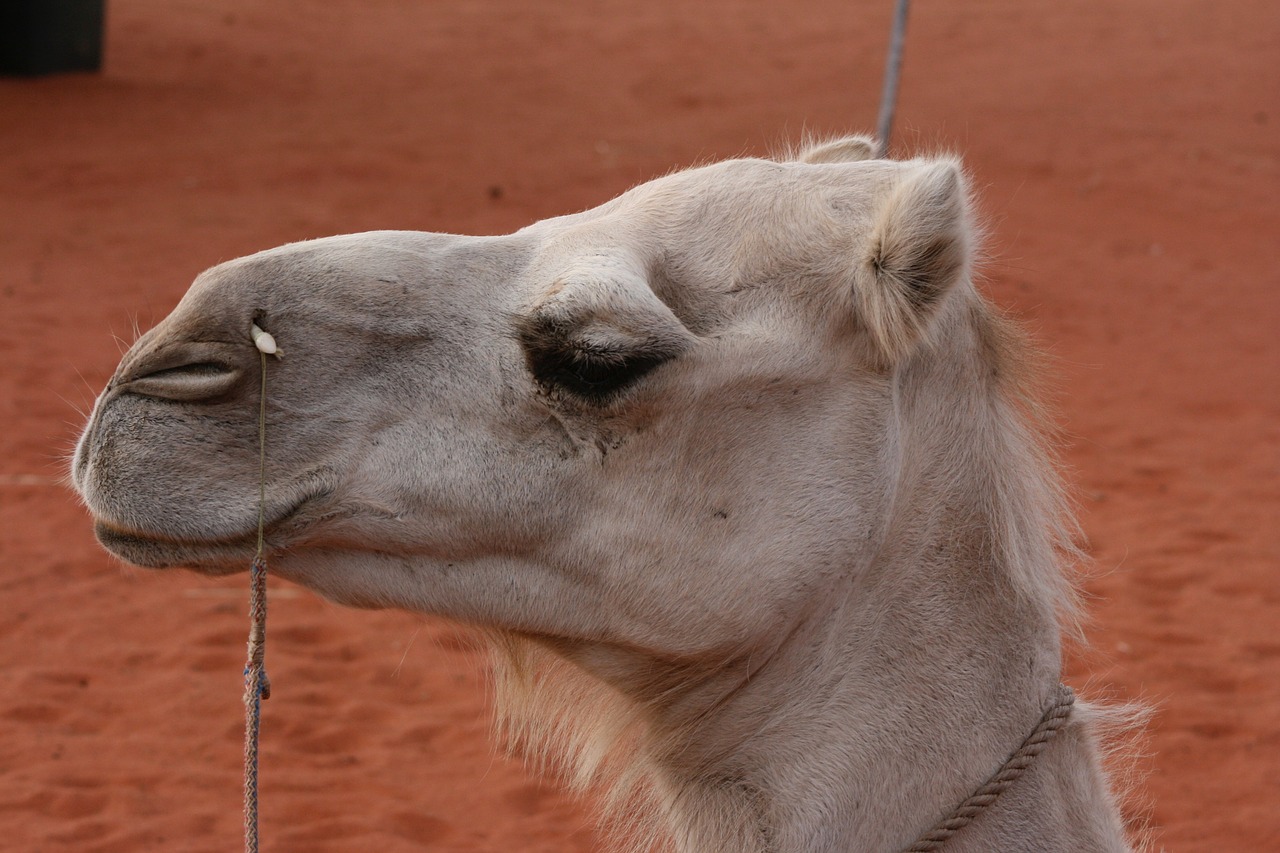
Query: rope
(1055, 717)
(256, 684)
(892, 65)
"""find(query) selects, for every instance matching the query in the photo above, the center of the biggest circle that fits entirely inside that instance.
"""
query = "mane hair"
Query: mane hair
(1119, 731)
(1031, 510)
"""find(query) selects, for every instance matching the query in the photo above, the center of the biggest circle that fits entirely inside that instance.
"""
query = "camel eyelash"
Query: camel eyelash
(590, 373)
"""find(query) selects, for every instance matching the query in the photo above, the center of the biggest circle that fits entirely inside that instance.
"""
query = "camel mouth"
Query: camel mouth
(155, 552)
(222, 555)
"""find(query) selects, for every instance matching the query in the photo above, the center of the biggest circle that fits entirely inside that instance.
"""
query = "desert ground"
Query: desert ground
(1128, 162)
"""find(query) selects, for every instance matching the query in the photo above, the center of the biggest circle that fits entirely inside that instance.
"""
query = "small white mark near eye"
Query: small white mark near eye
(264, 342)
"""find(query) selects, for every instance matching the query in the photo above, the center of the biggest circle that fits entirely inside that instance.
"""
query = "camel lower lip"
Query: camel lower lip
(221, 557)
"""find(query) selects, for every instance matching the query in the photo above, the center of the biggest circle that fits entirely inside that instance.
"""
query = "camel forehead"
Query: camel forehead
(726, 219)
(736, 180)
(740, 191)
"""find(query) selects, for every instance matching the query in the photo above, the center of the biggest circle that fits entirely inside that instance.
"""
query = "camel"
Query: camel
(737, 473)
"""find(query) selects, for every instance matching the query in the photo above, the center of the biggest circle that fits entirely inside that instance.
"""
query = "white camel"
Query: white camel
(736, 470)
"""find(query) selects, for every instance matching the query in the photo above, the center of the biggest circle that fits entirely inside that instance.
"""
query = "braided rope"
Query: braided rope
(1055, 717)
(256, 684)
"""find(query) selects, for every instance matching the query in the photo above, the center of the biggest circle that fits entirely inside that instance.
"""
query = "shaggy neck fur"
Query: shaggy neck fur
(897, 695)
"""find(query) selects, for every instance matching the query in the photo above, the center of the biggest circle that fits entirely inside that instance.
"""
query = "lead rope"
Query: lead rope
(1054, 718)
(256, 684)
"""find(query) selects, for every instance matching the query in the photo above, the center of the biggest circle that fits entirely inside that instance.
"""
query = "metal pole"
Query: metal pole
(892, 65)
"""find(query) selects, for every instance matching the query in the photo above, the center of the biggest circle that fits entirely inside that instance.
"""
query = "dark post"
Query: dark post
(49, 36)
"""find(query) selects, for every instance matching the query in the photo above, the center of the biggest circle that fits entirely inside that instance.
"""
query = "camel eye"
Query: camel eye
(595, 365)
(594, 375)
(591, 373)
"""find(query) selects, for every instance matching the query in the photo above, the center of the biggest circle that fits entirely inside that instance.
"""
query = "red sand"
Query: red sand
(1128, 160)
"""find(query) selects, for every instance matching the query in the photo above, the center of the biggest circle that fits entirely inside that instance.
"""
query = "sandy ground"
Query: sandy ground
(1129, 165)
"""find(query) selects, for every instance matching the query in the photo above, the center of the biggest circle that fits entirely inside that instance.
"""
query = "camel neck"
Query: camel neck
(860, 735)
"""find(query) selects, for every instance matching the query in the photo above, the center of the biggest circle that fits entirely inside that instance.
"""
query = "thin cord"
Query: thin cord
(262, 454)
(256, 684)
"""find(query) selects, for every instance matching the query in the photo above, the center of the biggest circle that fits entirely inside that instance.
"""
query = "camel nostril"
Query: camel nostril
(201, 380)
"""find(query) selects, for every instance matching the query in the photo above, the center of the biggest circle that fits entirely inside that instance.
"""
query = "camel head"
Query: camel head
(663, 423)
(730, 468)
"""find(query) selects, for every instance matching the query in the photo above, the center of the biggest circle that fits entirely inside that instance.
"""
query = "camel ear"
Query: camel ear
(847, 150)
(918, 248)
